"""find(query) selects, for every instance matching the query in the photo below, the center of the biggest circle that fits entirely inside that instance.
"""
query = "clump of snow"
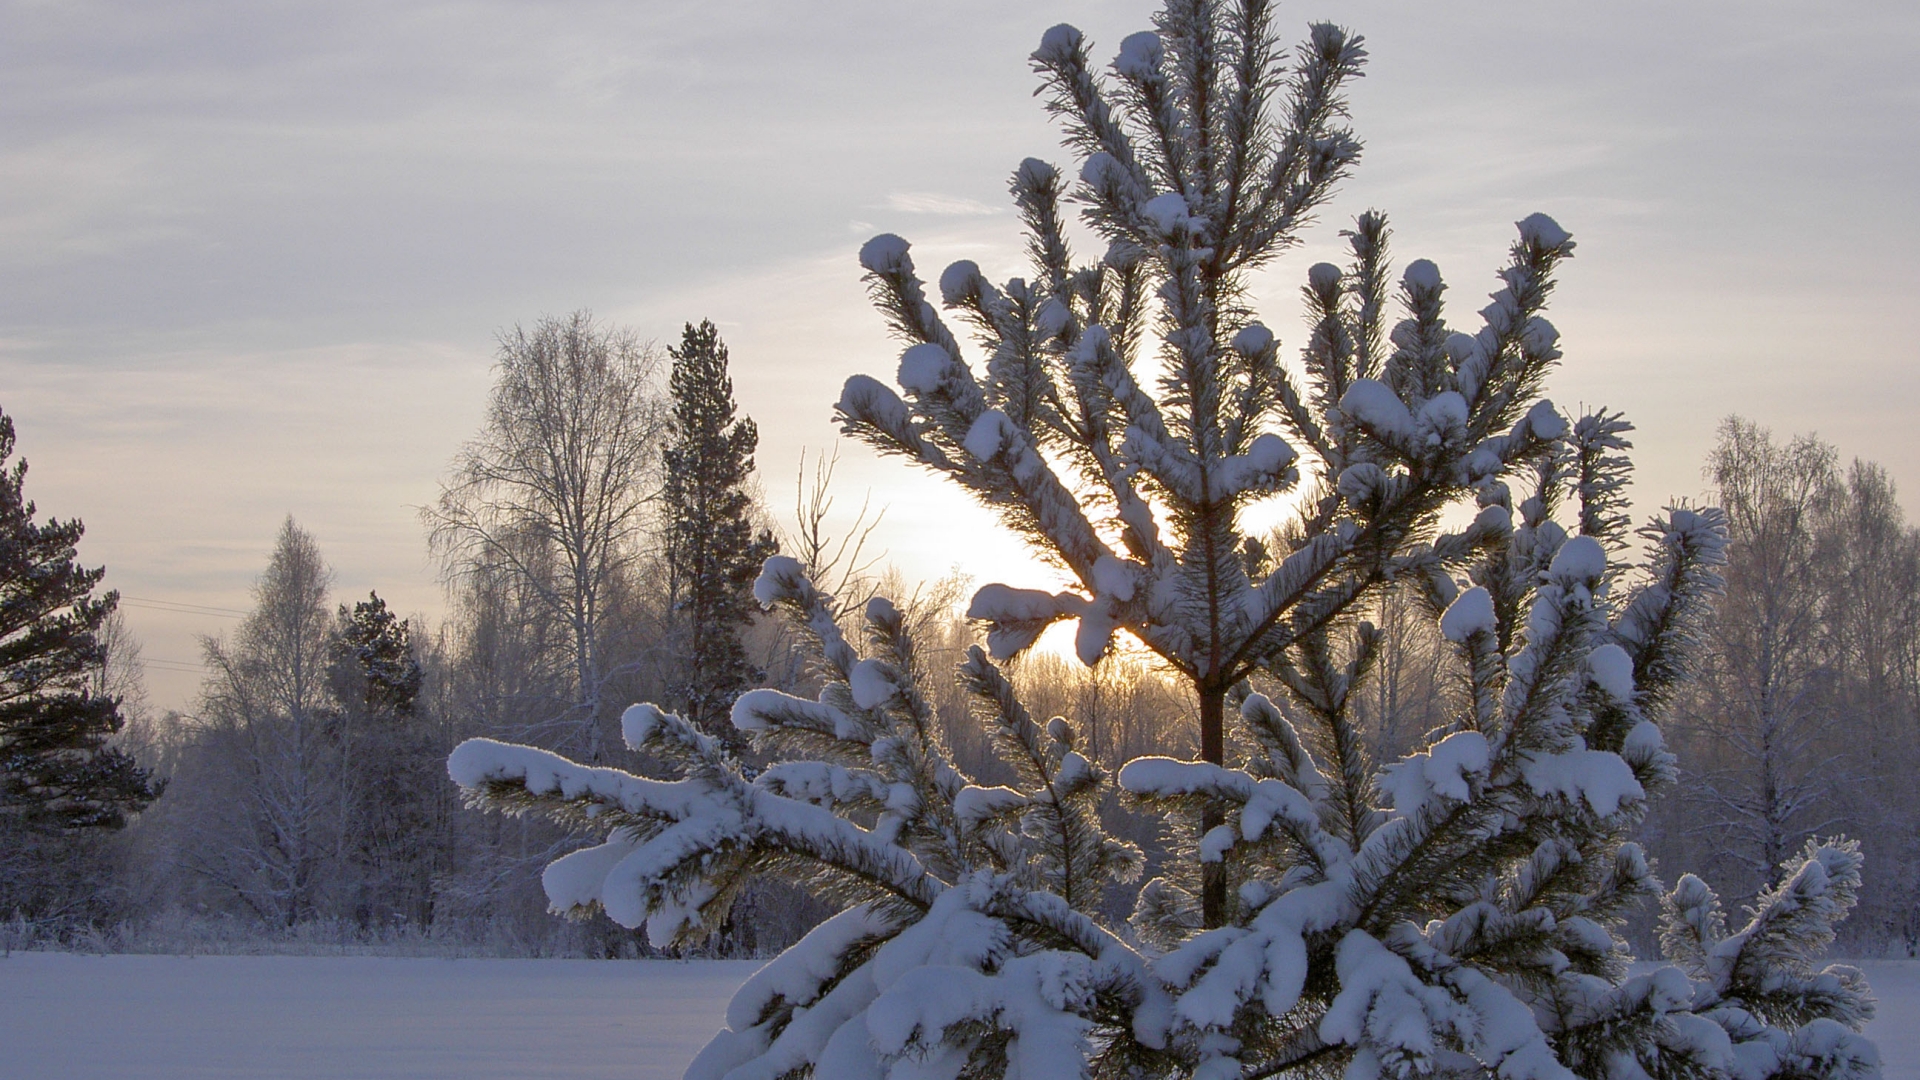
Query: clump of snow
(1058, 44)
(1102, 170)
(961, 282)
(871, 684)
(1140, 56)
(1375, 405)
(990, 433)
(776, 574)
(1602, 779)
(1611, 669)
(1269, 453)
(1053, 318)
(764, 709)
(1379, 1001)
(1166, 777)
(1538, 337)
(1470, 613)
(1035, 173)
(1324, 277)
(1004, 603)
(1543, 231)
(798, 975)
(1494, 520)
(1252, 340)
(639, 721)
(1422, 276)
(575, 880)
(924, 367)
(1264, 466)
(1362, 482)
(975, 804)
(1216, 843)
(1169, 212)
(1442, 771)
(822, 784)
(1545, 421)
(1443, 417)
(1462, 348)
(1579, 559)
(866, 398)
(1114, 577)
(1016, 617)
(1095, 632)
(1643, 742)
(886, 254)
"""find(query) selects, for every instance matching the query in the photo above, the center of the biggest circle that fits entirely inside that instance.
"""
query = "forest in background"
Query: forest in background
(598, 539)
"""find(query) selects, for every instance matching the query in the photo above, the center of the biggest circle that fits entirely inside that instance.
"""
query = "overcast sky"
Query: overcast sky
(253, 255)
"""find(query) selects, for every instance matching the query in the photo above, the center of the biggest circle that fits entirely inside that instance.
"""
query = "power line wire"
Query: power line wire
(177, 607)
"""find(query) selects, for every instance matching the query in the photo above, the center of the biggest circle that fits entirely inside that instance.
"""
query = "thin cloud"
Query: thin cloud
(927, 202)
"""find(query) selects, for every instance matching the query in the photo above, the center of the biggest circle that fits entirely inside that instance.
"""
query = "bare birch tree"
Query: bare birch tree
(1760, 785)
(268, 796)
(554, 489)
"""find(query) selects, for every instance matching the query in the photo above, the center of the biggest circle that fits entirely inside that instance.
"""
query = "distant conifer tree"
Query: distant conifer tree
(713, 549)
(392, 840)
(374, 659)
(56, 769)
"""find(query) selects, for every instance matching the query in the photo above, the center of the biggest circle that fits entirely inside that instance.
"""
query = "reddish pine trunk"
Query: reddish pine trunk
(1213, 747)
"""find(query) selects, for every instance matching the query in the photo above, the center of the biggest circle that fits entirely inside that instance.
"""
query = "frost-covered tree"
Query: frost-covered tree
(552, 494)
(268, 818)
(1454, 911)
(713, 547)
(1769, 670)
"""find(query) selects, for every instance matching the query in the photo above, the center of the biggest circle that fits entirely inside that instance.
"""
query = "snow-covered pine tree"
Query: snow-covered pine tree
(713, 549)
(1455, 912)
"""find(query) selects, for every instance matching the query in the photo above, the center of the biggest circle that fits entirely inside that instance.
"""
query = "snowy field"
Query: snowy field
(365, 1018)
(68, 1017)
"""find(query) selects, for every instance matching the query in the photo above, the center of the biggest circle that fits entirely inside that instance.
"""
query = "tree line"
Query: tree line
(598, 539)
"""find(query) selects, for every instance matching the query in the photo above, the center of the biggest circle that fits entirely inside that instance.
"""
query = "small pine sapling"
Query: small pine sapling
(1456, 911)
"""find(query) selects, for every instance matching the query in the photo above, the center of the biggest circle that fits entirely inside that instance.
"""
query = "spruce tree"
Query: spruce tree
(713, 549)
(57, 771)
(1456, 910)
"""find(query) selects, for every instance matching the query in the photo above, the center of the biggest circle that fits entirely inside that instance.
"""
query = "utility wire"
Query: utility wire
(182, 666)
(179, 608)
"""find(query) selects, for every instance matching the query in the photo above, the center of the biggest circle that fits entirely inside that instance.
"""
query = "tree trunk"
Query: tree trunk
(1213, 748)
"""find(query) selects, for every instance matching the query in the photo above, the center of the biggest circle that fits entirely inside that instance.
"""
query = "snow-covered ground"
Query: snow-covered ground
(68, 1017)
(365, 1018)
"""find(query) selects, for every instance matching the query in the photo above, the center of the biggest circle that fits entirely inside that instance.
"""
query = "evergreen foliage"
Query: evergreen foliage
(304, 792)
(391, 835)
(374, 662)
(1453, 911)
(57, 771)
(713, 548)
